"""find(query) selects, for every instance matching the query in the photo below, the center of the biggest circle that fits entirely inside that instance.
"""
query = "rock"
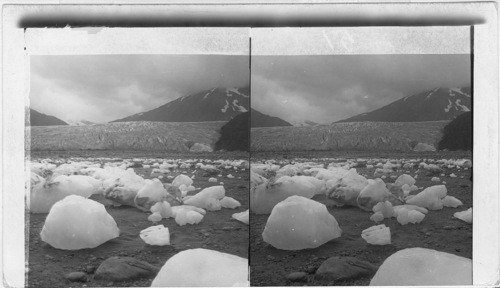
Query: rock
(124, 268)
(343, 268)
(76, 277)
(423, 267)
(297, 277)
(300, 223)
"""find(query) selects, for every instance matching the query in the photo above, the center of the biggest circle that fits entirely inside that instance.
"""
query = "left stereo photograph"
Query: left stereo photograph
(138, 170)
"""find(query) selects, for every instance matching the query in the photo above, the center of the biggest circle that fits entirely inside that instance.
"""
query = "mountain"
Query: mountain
(40, 119)
(305, 123)
(262, 120)
(217, 104)
(234, 135)
(80, 122)
(434, 105)
(457, 135)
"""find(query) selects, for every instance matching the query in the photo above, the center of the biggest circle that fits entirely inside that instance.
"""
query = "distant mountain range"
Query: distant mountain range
(434, 105)
(258, 119)
(216, 104)
(40, 119)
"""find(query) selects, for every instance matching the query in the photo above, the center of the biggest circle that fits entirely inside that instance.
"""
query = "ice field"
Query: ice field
(84, 210)
(364, 208)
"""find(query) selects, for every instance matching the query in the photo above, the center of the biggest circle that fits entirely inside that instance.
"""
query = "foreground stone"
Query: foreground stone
(297, 277)
(343, 268)
(124, 268)
(77, 277)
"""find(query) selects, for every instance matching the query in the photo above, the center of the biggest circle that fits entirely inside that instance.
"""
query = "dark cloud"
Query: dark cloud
(102, 88)
(335, 87)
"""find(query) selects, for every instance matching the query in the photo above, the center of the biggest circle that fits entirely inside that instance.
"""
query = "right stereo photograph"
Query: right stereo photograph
(361, 156)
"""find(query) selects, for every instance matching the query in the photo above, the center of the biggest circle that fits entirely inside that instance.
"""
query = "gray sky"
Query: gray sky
(102, 88)
(334, 87)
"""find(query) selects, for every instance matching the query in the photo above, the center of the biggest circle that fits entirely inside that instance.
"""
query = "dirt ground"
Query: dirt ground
(47, 266)
(439, 230)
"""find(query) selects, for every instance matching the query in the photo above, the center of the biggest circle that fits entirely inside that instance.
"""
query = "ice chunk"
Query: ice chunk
(242, 216)
(256, 179)
(403, 217)
(186, 208)
(408, 207)
(385, 208)
(300, 223)
(377, 217)
(202, 198)
(405, 179)
(228, 202)
(435, 179)
(156, 235)
(450, 201)
(203, 268)
(155, 217)
(430, 198)
(212, 204)
(193, 217)
(377, 235)
(151, 193)
(423, 267)
(182, 180)
(181, 217)
(78, 223)
(464, 215)
(298, 185)
(212, 180)
(415, 216)
(162, 208)
(376, 191)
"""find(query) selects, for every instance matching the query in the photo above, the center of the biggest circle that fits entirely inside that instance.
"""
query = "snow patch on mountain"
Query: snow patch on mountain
(463, 107)
(79, 122)
(447, 109)
(208, 93)
(432, 92)
(235, 91)
(458, 90)
(225, 107)
(239, 108)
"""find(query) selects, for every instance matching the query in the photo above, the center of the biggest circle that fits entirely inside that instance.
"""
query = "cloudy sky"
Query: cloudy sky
(334, 87)
(102, 88)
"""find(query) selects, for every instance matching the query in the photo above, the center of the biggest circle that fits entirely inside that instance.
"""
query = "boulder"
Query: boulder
(344, 268)
(124, 268)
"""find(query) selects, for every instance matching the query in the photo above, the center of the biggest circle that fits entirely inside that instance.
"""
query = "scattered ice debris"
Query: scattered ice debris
(430, 198)
(300, 223)
(435, 179)
(77, 223)
(377, 235)
(408, 207)
(230, 176)
(229, 202)
(212, 180)
(155, 217)
(452, 175)
(156, 235)
(464, 215)
(256, 179)
(450, 201)
(423, 267)
(199, 147)
(242, 216)
(160, 210)
(183, 217)
(203, 267)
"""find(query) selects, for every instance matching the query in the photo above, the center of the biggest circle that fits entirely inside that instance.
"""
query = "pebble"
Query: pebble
(270, 258)
(448, 227)
(297, 277)
(77, 277)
